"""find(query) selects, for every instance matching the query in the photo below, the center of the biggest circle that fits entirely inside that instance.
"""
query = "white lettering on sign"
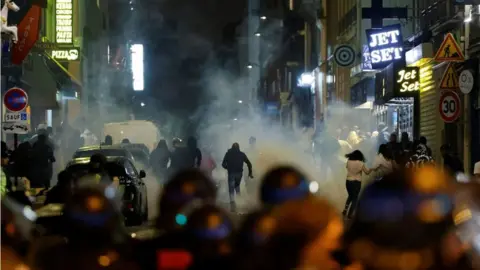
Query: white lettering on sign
(385, 46)
(70, 55)
(16, 116)
(409, 81)
(387, 54)
(381, 39)
(64, 21)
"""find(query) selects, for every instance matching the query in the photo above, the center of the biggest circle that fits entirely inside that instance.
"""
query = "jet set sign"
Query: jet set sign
(68, 54)
(385, 45)
(407, 81)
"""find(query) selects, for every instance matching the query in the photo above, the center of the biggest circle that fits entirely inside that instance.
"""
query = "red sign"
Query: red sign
(15, 99)
(450, 106)
(27, 34)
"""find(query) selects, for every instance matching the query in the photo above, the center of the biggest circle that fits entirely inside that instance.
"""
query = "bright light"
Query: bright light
(131, 8)
(249, 66)
(235, 119)
(137, 66)
(64, 21)
(142, 104)
(313, 187)
(258, 34)
(306, 79)
(240, 101)
(263, 17)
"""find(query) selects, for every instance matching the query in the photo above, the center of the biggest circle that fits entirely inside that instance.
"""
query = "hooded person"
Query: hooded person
(159, 159)
(233, 162)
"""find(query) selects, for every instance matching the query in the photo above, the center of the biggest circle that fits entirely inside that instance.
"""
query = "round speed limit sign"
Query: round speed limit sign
(449, 106)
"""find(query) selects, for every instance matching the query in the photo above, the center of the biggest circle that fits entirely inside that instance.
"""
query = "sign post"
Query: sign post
(16, 117)
(449, 106)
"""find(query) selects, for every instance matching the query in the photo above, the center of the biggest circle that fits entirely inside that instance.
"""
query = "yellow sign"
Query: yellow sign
(64, 21)
(449, 79)
(449, 50)
(66, 54)
(408, 79)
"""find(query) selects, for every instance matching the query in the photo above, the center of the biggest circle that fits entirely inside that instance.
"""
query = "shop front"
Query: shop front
(397, 102)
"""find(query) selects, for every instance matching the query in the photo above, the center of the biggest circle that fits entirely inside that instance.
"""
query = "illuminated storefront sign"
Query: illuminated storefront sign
(66, 54)
(407, 80)
(64, 21)
(385, 45)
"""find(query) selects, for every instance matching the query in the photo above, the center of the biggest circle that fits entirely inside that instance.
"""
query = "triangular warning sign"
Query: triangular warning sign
(449, 79)
(449, 50)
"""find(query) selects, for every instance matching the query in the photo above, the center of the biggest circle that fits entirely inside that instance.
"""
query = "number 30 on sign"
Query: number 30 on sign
(449, 106)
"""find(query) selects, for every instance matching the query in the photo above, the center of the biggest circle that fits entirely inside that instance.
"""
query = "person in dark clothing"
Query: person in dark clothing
(62, 191)
(179, 158)
(423, 141)
(42, 159)
(451, 162)
(405, 142)
(108, 140)
(394, 146)
(233, 163)
(159, 160)
(22, 164)
(196, 154)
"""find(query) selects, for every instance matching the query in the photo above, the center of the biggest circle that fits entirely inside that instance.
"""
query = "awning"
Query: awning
(43, 83)
(367, 105)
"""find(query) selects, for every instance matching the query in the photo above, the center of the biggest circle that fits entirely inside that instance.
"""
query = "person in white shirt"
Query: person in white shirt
(384, 162)
(355, 168)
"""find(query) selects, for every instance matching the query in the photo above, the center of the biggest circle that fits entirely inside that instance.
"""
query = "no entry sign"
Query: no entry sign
(15, 99)
(449, 106)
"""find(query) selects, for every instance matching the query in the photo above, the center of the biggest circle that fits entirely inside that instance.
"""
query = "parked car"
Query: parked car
(132, 188)
(107, 150)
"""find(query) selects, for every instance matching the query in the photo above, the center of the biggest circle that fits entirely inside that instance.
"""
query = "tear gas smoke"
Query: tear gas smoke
(275, 144)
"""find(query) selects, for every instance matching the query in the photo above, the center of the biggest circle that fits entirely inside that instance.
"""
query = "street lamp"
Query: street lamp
(306, 79)
(251, 65)
(258, 34)
(263, 18)
(240, 101)
(142, 104)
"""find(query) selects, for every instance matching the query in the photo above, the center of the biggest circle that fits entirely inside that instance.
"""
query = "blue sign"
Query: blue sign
(23, 116)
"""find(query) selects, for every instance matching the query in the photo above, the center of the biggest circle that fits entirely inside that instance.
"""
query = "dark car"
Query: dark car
(139, 151)
(86, 152)
(132, 187)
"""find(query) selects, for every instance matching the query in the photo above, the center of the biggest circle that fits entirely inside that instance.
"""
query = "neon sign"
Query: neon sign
(64, 21)
(66, 54)
(385, 45)
(407, 80)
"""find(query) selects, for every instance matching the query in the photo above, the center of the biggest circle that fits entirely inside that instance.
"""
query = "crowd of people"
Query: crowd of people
(398, 224)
